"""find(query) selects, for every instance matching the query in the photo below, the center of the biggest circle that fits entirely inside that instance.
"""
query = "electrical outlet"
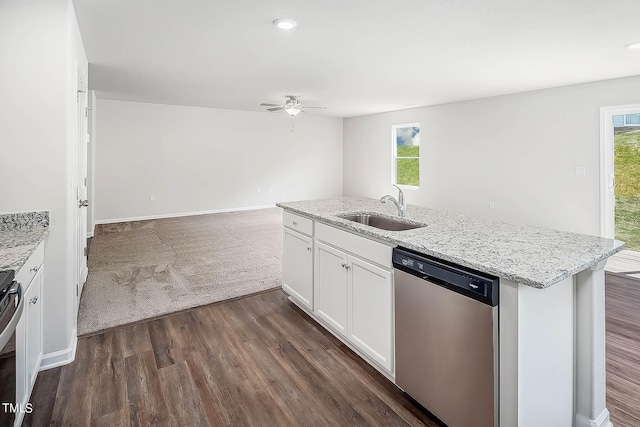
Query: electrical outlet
(259, 190)
(492, 205)
(152, 197)
(580, 170)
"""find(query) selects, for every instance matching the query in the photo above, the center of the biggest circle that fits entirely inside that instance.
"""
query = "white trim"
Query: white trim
(83, 277)
(408, 187)
(601, 420)
(61, 357)
(91, 120)
(180, 214)
(607, 227)
(89, 234)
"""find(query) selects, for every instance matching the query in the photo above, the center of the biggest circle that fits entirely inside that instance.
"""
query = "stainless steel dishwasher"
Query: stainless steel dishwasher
(447, 338)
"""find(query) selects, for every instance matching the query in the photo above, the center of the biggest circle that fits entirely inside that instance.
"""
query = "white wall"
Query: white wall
(41, 53)
(518, 151)
(201, 159)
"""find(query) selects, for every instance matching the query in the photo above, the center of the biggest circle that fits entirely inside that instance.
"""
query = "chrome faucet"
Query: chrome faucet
(399, 203)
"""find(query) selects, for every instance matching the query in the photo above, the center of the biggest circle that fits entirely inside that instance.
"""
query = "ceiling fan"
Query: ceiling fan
(292, 106)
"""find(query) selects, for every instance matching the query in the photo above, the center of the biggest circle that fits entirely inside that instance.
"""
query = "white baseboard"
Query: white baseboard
(179, 214)
(61, 357)
(601, 420)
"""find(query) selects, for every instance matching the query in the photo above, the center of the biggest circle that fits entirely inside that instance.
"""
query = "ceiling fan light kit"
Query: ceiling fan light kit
(292, 111)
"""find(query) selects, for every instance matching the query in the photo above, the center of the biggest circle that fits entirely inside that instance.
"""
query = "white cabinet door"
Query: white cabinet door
(29, 335)
(371, 311)
(297, 267)
(33, 323)
(331, 286)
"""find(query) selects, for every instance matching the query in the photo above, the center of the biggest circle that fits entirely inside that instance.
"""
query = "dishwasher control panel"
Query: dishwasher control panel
(472, 283)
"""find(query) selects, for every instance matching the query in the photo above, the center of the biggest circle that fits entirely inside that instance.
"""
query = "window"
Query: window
(406, 154)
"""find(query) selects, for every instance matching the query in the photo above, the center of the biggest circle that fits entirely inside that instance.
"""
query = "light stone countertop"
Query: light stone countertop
(534, 256)
(20, 235)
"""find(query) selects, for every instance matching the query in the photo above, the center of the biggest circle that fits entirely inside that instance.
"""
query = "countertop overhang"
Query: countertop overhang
(534, 256)
(20, 235)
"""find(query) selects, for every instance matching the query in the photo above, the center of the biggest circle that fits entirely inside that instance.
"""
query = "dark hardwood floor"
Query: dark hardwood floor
(256, 361)
(261, 361)
(623, 349)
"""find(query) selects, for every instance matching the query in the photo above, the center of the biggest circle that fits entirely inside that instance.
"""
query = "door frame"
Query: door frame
(80, 225)
(607, 167)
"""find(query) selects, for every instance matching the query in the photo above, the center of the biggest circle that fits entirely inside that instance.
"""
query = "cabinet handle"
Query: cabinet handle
(295, 223)
(35, 269)
(308, 248)
(348, 267)
(33, 300)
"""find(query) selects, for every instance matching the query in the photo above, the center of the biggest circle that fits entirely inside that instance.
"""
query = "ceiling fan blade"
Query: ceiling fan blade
(270, 105)
(275, 109)
(324, 108)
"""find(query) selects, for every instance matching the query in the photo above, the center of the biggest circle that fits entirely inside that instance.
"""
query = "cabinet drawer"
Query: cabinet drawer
(360, 246)
(299, 223)
(31, 267)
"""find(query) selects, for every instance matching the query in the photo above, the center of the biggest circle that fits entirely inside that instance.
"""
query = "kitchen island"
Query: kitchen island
(551, 309)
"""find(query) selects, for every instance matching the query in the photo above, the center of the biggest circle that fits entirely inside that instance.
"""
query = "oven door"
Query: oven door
(9, 318)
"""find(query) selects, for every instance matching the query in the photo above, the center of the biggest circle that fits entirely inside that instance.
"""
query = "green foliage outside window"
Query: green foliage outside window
(407, 154)
(627, 189)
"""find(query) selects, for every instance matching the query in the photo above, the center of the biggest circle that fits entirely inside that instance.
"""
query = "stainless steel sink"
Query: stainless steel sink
(381, 222)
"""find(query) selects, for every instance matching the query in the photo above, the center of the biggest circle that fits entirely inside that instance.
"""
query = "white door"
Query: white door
(297, 267)
(370, 312)
(81, 191)
(607, 166)
(331, 293)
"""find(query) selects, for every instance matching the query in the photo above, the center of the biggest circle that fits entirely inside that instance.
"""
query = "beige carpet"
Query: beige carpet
(143, 269)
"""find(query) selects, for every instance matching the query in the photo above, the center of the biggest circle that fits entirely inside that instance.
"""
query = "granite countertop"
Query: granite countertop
(20, 235)
(533, 256)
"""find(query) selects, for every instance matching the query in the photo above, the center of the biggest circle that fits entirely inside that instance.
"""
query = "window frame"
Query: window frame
(394, 156)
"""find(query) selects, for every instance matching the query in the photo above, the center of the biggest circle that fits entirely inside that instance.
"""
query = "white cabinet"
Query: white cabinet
(297, 267)
(297, 259)
(298, 223)
(29, 328)
(355, 297)
(371, 311)
(331, 282)
(33, 325)
(345, 282)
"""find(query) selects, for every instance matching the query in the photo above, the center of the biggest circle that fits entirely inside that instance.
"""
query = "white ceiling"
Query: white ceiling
(354, 56)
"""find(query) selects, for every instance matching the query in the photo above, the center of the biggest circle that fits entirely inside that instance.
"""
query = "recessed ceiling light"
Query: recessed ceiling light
(632, 46)
(285, 23)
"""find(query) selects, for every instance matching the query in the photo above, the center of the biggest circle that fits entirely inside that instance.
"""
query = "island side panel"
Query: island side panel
(591, 382)
(542, 374)
(508, 345)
